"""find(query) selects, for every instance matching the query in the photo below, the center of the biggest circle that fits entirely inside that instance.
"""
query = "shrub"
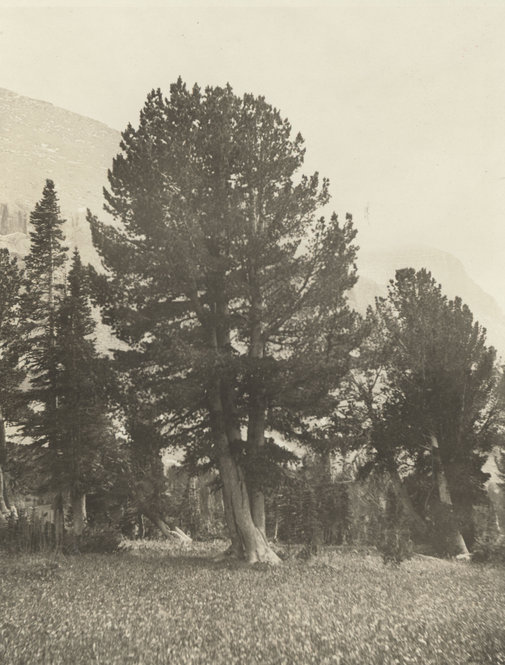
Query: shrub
(26, 534)
(395, 545)
(29, 534)
(100, 540)
(442, 530)
(489, 550)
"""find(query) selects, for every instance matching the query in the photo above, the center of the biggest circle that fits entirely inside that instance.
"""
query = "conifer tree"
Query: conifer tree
(226, 283)
(10, 371)
(43, 292)
(42, 295)
(442, 380)
(81, 423)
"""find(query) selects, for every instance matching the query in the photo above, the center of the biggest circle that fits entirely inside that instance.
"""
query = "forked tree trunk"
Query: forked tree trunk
(457, 541)
(254, 546)
(78, 513)
(247, 540)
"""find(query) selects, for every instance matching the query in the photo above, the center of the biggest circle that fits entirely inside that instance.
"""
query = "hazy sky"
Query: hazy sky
(403, 108)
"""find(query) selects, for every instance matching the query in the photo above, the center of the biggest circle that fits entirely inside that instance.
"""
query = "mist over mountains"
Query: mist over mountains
(39, 140)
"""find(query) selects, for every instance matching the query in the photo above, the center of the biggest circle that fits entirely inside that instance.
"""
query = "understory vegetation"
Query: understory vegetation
(152, 606)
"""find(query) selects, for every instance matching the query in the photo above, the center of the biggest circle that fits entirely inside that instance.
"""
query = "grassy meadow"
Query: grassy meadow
(152, 606)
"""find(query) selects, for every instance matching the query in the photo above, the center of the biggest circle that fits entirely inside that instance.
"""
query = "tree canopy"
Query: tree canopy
(437, 385)
(226, 281)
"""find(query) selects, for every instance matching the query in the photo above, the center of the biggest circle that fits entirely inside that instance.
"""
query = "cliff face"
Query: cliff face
(39, 141)
(12, 220)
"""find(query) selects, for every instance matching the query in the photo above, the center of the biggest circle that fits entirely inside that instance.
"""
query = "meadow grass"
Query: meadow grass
(150, 607)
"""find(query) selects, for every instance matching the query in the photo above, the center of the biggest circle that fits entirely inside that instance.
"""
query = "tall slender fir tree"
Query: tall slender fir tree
(80, 420)
(44, 286)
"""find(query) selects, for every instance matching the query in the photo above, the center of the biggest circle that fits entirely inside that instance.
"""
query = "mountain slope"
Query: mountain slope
(378, 267)
(39, 141)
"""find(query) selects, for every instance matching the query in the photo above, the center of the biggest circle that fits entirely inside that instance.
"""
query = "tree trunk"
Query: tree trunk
(78, 513)
(258, 509)
(237, 545)
(195, 515)
(257, 400)
(204, 500)
(256, 441)
(6, 492)
(4, 499)
(457, 541)
(248, 541)
(164, 528)
(3, 506)
(254, 544)
(276, 526)
(141, 527)
(416, 521)
(59, 522)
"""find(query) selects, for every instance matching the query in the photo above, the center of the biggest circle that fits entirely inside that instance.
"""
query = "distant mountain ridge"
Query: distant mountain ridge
(39, 140)
(376, 268)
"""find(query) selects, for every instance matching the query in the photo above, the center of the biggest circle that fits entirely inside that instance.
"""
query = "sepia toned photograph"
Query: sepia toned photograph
(252, 333)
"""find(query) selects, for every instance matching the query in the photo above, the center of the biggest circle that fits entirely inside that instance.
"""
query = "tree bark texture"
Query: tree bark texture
(415, 520)
(59, 522)
(3, 506)
(4, 498)
(248, 541)
(256, 442)
(158, 521)
(79, 516)
(457, 541)
(244, 506)
(251, 543)
(257, 401)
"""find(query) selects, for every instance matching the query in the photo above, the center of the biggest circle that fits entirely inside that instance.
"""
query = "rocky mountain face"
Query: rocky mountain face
(377, 268)
(39, 141)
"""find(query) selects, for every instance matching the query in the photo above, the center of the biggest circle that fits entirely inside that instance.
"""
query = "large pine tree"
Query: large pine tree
(226, 284)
